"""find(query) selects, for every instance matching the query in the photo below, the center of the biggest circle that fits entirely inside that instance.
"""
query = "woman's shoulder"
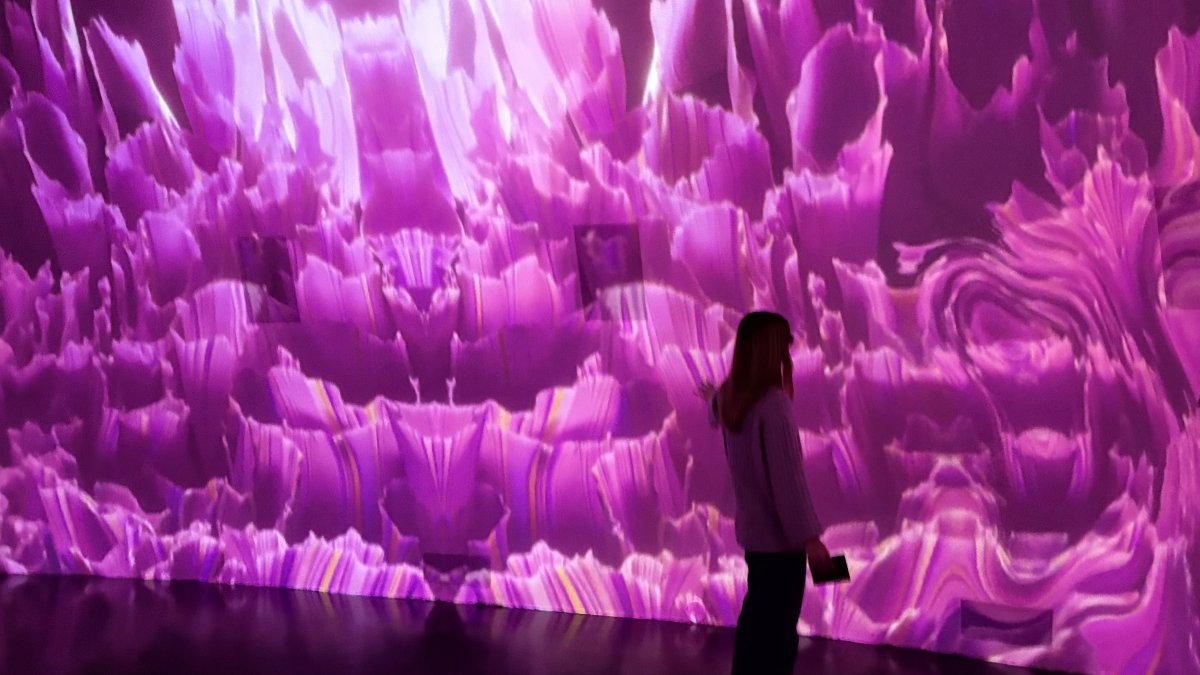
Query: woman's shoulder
(774, 402)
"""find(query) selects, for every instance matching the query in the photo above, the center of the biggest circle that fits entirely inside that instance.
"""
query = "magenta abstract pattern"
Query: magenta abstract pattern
(412, 299)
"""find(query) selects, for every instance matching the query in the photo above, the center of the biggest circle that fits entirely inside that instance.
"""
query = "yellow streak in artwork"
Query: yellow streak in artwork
(495, 589)
(329, 412)
(366, 291)
(554, 405)
(533, 497)
(356, 481)
(576, 603)
(329, 569)
(555, 401)
(478, 306)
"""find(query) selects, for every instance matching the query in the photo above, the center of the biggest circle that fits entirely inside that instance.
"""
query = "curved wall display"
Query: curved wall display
(413, 299)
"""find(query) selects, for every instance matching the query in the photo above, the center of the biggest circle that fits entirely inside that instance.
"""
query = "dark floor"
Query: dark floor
(72, 625)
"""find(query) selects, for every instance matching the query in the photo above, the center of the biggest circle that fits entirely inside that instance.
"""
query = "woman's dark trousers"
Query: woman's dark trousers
(766, 640)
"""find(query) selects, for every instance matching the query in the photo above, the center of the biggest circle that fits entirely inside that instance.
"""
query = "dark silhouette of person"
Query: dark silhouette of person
(775, 521)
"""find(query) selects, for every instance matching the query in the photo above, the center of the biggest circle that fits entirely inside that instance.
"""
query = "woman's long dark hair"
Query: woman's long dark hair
(760, 362)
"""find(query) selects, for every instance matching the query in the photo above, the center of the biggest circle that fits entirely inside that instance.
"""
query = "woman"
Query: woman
(775, 522)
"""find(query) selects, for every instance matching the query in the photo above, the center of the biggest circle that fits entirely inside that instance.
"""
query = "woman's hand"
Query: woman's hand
(708, 393)
(818, 557)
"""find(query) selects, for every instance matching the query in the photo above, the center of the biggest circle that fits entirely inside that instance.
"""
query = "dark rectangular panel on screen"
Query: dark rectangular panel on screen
(610, 270)
(268, 279)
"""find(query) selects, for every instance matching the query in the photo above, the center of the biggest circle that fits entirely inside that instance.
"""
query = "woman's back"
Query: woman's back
(774, 509)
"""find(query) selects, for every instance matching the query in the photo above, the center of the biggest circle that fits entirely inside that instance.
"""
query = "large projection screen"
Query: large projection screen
(412, 299)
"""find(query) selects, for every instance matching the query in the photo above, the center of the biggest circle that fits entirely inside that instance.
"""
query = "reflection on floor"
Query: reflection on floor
(72, 625)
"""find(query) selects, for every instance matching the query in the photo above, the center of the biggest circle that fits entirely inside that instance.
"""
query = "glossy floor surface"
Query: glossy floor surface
(71, 625)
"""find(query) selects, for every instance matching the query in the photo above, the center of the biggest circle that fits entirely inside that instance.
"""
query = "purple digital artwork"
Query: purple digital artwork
(412, 299)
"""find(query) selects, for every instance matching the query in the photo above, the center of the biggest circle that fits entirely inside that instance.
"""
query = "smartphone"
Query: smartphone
(841, 572)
